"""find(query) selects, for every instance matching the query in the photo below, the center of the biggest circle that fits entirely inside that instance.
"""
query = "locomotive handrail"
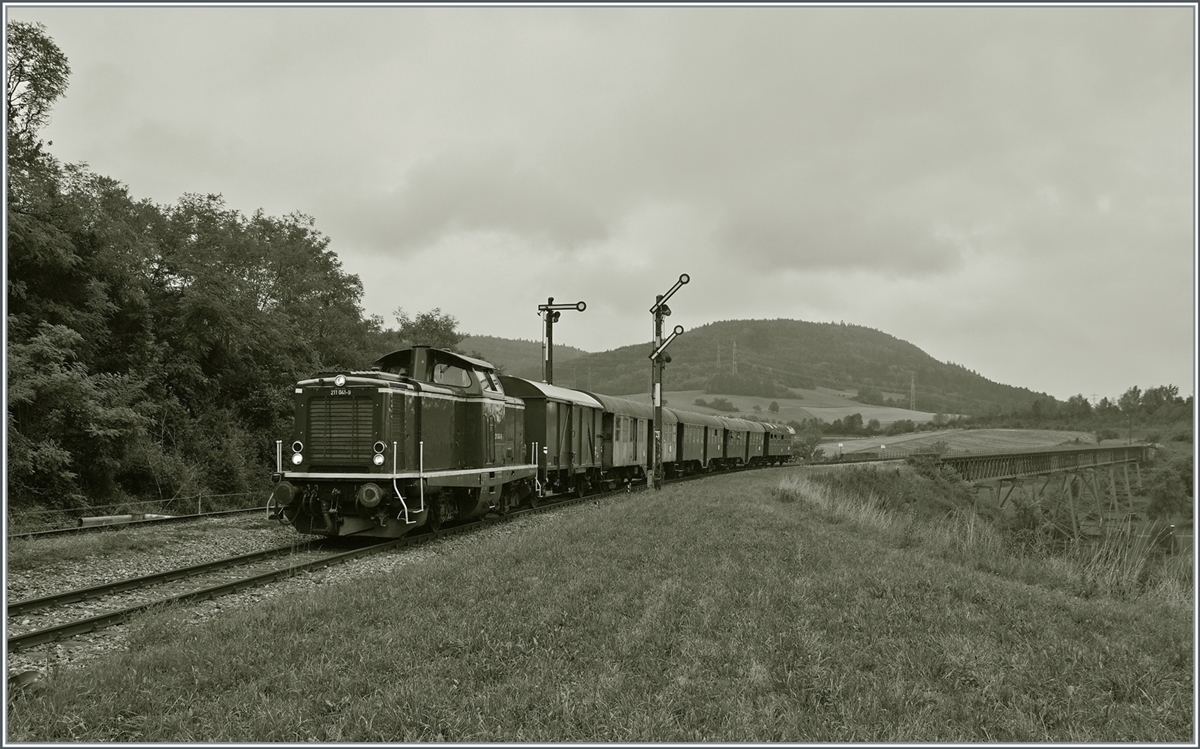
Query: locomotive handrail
(396, 489)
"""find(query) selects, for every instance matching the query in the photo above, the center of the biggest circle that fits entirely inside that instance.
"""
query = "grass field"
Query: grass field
(746, 608)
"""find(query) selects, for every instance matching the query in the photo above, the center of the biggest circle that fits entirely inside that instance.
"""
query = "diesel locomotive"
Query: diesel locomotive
(428, 437)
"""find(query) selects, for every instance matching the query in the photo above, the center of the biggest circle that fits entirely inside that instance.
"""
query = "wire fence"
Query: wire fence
(198, 504)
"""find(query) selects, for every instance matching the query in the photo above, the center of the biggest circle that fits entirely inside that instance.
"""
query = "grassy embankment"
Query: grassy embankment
(735, 609)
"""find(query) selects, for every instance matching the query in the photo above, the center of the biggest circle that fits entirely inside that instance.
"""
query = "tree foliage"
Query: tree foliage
(432, 328)
(36, 73)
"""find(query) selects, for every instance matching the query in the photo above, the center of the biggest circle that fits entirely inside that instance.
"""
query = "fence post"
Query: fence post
(199, 503)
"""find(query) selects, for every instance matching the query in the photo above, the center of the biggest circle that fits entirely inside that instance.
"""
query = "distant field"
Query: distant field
(823, 403)
(965, 440)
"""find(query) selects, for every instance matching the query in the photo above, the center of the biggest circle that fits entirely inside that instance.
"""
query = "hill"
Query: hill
(796, 356)
(517, 357)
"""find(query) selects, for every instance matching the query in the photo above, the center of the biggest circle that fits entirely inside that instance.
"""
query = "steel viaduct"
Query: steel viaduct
(1082, 489)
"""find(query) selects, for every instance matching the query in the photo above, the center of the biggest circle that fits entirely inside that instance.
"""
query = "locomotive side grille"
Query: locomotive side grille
(339, 430)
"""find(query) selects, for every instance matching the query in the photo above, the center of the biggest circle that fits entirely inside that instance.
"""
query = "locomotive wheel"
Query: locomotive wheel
(508, 499)
(533, 500)
(433, 511)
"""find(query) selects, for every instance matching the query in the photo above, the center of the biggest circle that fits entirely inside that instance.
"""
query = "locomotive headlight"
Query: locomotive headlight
(377, 460)
(297, 459)
(340, 380)
(297, 446)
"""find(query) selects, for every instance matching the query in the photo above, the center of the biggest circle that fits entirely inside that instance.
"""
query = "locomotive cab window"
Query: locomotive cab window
(448, 374)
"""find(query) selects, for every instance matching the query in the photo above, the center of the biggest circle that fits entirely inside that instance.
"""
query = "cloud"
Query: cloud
(936, 173)
(815, 237)
(470, 191)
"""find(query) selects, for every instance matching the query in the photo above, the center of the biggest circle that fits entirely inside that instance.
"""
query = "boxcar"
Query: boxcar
(564, 427)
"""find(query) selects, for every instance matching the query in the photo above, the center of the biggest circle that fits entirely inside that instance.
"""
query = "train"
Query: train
(429, 437)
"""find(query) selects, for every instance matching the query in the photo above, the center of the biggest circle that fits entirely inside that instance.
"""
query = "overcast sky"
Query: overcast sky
(1007, 188)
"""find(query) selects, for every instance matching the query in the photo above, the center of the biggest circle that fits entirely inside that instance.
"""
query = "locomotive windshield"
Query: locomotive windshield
(397, 363)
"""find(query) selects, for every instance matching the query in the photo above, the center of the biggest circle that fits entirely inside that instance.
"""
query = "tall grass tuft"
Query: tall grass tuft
(1119, 565)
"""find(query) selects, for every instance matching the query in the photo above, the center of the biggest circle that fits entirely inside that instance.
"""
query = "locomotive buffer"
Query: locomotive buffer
(657, 359)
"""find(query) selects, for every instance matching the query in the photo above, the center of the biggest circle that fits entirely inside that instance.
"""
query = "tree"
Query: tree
(433, 328)
(1161, 401)
(1078, 407)
(68, 430)
(870, 395)
(36, 76)
(853, 424)
(805, 445)
(773, 408)
(1129, 403)
(1167, 488)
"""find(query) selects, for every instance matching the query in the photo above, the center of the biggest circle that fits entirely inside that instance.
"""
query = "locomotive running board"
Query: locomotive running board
(499, 470)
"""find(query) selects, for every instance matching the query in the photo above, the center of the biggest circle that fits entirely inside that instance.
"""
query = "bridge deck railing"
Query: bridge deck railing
(996, 466)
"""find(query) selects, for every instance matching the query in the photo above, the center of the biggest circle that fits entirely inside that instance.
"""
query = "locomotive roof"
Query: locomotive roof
(523, 388)
(471, 362)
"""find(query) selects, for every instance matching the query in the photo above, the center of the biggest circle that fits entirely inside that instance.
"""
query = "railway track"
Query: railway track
(202, 581)
(51, 606)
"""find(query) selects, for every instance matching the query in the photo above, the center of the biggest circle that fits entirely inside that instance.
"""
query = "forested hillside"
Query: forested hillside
(517, 357)
(797, 354)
